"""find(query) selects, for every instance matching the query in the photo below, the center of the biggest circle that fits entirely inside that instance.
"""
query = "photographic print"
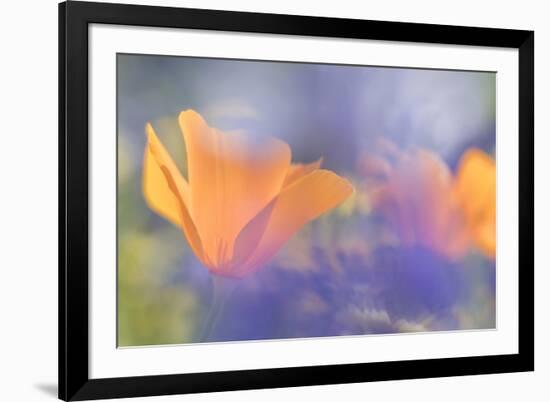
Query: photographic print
(268, 200)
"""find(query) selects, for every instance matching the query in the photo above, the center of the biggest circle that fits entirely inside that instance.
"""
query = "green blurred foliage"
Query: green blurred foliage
(151, 309)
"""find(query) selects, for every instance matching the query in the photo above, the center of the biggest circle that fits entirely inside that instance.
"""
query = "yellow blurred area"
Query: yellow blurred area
(359, 202)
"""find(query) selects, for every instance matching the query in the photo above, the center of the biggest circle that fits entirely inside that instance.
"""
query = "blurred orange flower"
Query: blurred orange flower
(428, 206)
(475, 190)
(243, 199)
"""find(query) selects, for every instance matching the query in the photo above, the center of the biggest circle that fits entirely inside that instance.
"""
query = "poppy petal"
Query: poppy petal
(165, 190)
(475, 187)
(304, 200)
(232, 177)
(155, 188)
(298, 170)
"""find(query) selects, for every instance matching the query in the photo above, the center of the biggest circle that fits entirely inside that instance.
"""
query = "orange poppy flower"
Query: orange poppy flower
(243, 199)
(417, 199)
(475, 190)
(430, 207)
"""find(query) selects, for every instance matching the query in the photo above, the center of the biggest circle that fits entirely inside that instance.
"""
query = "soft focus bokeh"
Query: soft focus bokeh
(404, 253)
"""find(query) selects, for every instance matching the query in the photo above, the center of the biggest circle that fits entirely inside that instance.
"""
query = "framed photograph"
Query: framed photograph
(256, 200)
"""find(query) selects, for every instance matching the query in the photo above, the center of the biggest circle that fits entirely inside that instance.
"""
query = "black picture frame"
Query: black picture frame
(74, 18)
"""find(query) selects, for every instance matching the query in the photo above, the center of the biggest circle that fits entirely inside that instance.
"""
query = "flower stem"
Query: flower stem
(222, 288)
